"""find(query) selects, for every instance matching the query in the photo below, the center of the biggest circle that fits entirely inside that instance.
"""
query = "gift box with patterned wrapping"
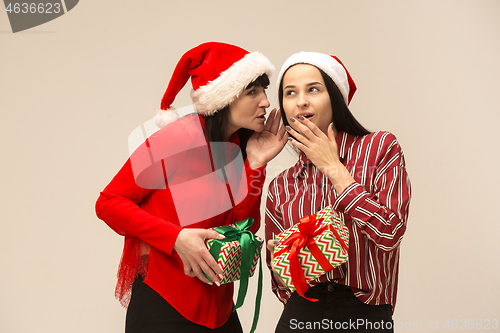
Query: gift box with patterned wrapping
(237, 255)
(228, 251)
(310, 248)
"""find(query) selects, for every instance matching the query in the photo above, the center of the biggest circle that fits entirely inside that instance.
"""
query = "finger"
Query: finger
(283, 136)
(277, 278)
(188, 270)
(211, 263)
(299, 128)
(298, 144)
(197, 271)
(284, 140)
(276, 122)
(281, 131)
(206, 257)
(267, 125)
(331, 132)
(212, 234)
(291, 131)
(209, 270)
(271, 244)
(310, 129)
(281, 126)
(200, 268)
(269, 120)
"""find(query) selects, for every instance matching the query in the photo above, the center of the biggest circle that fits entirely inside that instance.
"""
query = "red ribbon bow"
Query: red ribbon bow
(309, 227)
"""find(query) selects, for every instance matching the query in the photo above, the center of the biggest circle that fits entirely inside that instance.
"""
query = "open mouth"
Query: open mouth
(306, 115)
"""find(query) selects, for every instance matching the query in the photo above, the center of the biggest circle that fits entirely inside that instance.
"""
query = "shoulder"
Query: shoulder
(384, 147)
(377, 149)
(180, 135)
(383, 141)
(383, 137)
(180, 128)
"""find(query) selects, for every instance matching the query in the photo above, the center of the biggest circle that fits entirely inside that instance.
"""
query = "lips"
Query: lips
(305, 115)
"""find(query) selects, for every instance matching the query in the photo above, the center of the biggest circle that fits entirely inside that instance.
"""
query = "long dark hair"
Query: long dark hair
(343, 119)
(216, 125)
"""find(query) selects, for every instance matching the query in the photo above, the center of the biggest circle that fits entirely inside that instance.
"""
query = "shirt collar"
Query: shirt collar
(344, 142)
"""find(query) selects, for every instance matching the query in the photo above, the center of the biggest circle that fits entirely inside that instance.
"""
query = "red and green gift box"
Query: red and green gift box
(237, 255)
(311, 248)
(228, 251)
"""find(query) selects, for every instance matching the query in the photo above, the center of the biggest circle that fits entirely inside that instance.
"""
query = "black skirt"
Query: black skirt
(148, 312)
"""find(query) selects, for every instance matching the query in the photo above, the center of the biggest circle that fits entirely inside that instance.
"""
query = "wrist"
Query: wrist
(339, 176)
(254, 163)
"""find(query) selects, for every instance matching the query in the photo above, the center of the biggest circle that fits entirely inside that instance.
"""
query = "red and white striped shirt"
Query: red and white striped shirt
(374, 208)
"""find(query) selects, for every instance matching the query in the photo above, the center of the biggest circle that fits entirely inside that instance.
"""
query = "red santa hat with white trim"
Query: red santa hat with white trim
(331, 65)
(219, 72)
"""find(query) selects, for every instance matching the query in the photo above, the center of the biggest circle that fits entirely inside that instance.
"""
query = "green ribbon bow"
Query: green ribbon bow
(249, 246)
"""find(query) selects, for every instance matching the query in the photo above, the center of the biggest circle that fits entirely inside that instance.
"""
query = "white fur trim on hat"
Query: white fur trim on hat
(164, 117)
(326, 63)
(220, 92)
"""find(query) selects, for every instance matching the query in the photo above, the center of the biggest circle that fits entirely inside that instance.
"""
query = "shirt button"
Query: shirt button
(331, 288)
(319, 208)
(320, 185)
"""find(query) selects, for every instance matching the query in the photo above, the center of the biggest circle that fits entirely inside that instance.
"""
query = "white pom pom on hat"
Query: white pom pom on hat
(219, 72)
(164, 117)
(331, 65)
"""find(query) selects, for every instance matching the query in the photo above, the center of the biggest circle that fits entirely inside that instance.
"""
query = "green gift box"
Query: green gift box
(228, 254)
(237, 255)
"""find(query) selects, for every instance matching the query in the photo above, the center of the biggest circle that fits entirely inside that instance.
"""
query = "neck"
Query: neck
(229, 133)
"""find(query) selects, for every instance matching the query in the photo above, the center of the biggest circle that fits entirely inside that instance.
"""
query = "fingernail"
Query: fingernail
(220, 235)
(217, 283)
(220, 276)
(301, 118)
(292, 120)
(276, 242)
(288, 128)
(210, 283)
(290, 138)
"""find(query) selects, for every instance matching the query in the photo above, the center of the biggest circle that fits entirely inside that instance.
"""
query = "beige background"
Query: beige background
(73, 89)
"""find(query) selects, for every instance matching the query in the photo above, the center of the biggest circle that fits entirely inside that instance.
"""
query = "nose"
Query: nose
(264, 102)
(302, 101)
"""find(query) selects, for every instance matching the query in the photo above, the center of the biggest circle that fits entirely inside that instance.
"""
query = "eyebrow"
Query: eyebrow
(313, 84)
(307, 85)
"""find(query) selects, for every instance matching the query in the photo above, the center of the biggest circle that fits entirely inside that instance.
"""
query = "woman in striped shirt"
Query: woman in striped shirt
(362, 175)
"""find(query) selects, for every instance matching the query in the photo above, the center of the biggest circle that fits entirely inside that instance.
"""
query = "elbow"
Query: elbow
(103, 208)
(100, 206)
(389, 245)
(390, 241)
(104, 211)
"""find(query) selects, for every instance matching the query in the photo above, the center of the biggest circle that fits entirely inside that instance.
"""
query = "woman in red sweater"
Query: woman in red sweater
(197, 172)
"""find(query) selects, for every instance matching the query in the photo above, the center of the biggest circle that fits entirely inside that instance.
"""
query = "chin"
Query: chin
(256, 128)
(259, 128)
